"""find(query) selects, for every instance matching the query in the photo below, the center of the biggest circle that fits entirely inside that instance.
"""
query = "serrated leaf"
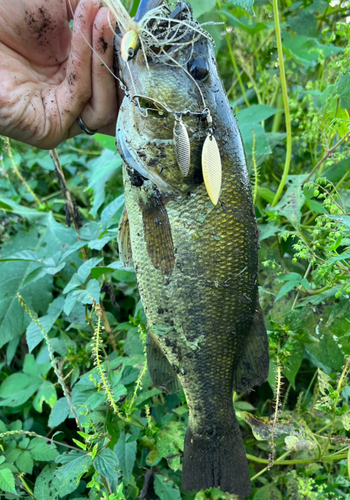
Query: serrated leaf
(7, 481)
(105, 463)
(73, 461)
(268, 492)
(45, 239)
(42, 451)
(165, 488)
(126, 453)
(59, 412)
(25, 462)
(244, 4)
(262, 427)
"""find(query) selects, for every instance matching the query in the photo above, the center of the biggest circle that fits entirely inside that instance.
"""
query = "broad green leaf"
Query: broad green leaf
(126, 453)
(85, 269)
(92, 290)
(248, 25)
(293, 365)
(42, 451)
(25, 462)
(293, 200)
(307, 50)
(255, 140)
(326, 352)
(42, 489)
(244, 4)
(102, 169)
(202, 6)
(165, 488)
(34, 335)
(299, 443)
(106, 141)
(255, 114)
(304, 23)
(287, 288)
(111, 210)
(59, 412)
(46, 239)
(74, 461)
(7, 481)
(47, 392)
(170, 442)
(268, 492)
(344, 91)
(105, 464)
(18, 388)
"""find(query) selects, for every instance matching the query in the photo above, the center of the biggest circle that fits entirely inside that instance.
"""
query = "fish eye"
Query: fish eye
(198, 68)
(131, 53)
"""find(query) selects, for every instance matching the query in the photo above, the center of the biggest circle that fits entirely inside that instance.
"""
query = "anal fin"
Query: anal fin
(124, 240)
(253, 366)
(160, 369)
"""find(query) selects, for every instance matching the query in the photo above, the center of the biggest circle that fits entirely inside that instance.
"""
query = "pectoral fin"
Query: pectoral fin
(124, 240)
(161, 371)
(157, 230)
(253, 366)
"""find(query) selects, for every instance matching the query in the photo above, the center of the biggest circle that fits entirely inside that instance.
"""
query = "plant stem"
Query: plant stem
(286, 106)
(280, 461)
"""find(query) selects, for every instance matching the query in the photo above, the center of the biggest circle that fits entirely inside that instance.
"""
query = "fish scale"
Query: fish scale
(196, 264)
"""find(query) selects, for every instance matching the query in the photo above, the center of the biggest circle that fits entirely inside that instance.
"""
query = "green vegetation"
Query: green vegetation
(79, 416)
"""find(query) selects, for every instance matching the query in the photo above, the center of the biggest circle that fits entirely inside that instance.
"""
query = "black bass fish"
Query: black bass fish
(190, 230)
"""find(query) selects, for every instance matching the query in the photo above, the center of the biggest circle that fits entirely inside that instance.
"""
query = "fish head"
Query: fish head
(162, 122)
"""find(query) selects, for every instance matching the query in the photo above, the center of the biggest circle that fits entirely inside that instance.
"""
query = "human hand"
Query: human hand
(49, 75)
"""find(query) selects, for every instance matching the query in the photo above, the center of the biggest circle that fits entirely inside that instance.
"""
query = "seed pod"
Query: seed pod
(182, 147)
(212, 168)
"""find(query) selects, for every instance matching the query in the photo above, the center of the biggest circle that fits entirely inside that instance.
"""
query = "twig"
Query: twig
(72, 210)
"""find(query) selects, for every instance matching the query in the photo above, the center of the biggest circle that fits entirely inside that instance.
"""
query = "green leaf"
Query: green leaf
(102, 169)
(287, 288)
(111, 210)
(73, 462)
(248, 25)
(202, 6)
(343, 89)
(170, 442)
(18, 388)
(293, 365)
(165, 488)
(34, 335)
(25, 462)
(255, 114)
(268, 492)
(244, 4)
(92, 289)
(42, 451)
(45, 239)
(85, 270)
(304, 23)
(7, 481)
(42, 488)
(105, 464)
(126, 453)
(59, 412)
(293, 200)
(47, 392)
(106, 141)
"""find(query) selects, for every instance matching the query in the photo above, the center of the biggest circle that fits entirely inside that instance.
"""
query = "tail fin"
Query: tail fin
(216, 460)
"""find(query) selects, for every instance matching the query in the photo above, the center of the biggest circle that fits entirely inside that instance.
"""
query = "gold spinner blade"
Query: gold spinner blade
(182, 147)
(212, 168)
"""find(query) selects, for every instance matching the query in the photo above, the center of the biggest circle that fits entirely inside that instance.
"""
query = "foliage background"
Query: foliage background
(129, 437)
